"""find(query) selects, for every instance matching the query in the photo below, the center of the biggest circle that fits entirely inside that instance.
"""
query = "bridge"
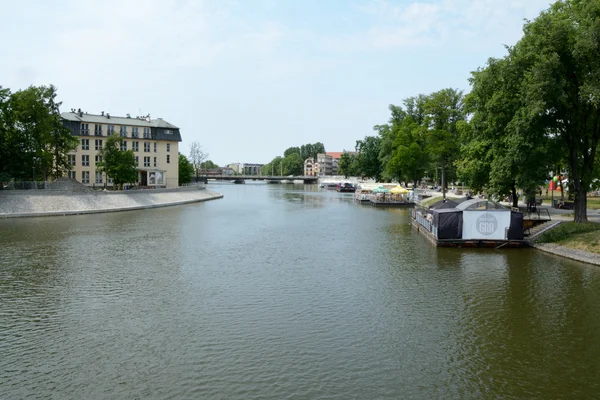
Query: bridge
(242, 178)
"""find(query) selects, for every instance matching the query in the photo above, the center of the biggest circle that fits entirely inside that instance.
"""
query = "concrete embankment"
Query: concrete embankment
(38, 203)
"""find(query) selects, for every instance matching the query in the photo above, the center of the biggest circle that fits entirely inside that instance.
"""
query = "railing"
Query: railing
(422, 220)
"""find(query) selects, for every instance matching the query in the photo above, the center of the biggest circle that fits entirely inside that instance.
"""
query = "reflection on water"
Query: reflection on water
(285, 291)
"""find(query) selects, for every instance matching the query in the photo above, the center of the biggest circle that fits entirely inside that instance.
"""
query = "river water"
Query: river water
(285, 292)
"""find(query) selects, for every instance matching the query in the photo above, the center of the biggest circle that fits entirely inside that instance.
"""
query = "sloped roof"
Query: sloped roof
(338, 154)
(104, 119)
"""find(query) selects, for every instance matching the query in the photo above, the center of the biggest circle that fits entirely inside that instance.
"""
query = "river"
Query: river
(285, 292)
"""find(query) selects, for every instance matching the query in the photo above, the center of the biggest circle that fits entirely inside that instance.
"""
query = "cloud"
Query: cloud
(476, 23)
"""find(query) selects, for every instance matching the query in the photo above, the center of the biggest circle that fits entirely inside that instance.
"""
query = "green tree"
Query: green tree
(500, 154)
(186, 170)
(119, 165)
(208, 165)
(293, 164)
(444, 110)
(292, 150)
(32, 136)
(560, 86)
(368, 164)
(346, 164)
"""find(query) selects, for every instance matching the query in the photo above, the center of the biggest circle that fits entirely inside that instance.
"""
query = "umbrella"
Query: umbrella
(398, 190)
(380, 189)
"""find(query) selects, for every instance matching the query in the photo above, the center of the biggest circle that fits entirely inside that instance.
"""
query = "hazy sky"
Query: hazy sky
(250, 78)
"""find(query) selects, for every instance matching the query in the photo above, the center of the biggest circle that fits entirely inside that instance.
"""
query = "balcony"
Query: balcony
(84, 132)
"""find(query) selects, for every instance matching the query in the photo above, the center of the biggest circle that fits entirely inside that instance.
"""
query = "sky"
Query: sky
(249, 78)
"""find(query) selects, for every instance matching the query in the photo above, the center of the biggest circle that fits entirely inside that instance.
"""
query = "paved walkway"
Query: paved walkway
(38, 203)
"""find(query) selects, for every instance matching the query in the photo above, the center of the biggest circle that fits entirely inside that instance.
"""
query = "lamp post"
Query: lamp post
(33, 181)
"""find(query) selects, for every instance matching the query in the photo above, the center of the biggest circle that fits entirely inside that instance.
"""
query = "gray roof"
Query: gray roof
(104, 119)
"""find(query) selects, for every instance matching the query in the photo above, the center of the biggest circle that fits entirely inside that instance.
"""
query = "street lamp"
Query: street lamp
(33, 181)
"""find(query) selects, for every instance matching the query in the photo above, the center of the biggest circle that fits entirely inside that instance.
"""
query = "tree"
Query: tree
(186, 170)
(444, 110)
(32, 136)
(560, 88)
(292, 150)
(119, 165)
(293, 164)
(208, 165)
(197, 157)
(499, 153)
(368, 157)
(346, 164)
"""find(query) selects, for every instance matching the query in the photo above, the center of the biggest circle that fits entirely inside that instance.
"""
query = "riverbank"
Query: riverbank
(42, 203)
(571, 240)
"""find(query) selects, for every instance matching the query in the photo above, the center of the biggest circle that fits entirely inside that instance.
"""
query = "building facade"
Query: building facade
(155, 144)
(309, 167)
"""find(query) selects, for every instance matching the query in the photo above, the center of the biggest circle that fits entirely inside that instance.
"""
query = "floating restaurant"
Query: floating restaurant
(384, 195)
(472, 223)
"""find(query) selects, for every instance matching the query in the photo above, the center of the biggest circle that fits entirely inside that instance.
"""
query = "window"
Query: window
(146, 161)
(110, 130)
(135, 146)
(168, 146)
(123, 131)
(72, 175)
(72, 161)
(109, 181)
(124, 145)
(98, 159)
(85, 129)
(134, 132)
(85, 144)
(146, 133)
(85, 176)
(85, 160)
(98, 177)
(146, 147)
(155, 147)
(98, 144)
(137, 161)
(98, 130)
(168, 158)
(168, 132)
(154, 161)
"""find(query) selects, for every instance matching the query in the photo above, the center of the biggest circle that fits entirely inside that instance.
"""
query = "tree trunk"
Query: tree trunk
(443, 179)
(515, 198)
(580, 204)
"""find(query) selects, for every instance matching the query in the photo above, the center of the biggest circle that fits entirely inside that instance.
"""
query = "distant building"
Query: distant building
(252, 169)
(236, 167)
(246, 168)
(155, 144)
(227, 171)
(324, 165)
(309, 167)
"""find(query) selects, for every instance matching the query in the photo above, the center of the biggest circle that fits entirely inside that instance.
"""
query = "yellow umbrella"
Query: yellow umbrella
(398, 190)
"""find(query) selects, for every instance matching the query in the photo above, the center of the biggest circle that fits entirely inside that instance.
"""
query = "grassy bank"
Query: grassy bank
(584, 236)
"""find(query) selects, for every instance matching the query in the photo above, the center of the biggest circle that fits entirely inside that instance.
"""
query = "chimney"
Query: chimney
(103, 113)
(108, 115)
(128, 115)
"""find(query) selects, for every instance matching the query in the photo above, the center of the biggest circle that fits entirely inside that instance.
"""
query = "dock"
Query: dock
(401, 204)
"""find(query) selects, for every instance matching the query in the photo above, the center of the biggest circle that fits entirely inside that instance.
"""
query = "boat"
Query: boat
(345, 187)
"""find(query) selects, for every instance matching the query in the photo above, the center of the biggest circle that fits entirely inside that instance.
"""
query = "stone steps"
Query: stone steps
(539, 229)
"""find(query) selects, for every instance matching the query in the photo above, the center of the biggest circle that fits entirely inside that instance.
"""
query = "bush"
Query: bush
(566, 230)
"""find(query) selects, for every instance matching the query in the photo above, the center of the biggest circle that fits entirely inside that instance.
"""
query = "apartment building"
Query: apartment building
(310, 167)
(155, 144)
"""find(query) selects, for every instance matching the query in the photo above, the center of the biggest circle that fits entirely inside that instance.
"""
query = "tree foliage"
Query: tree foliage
(540, 104)
(119, 165)
(186, 170)
(32, 136)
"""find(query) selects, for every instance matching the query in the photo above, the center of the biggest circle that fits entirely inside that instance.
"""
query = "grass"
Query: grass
(583, 236)
(589, 241)
(593, 203)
